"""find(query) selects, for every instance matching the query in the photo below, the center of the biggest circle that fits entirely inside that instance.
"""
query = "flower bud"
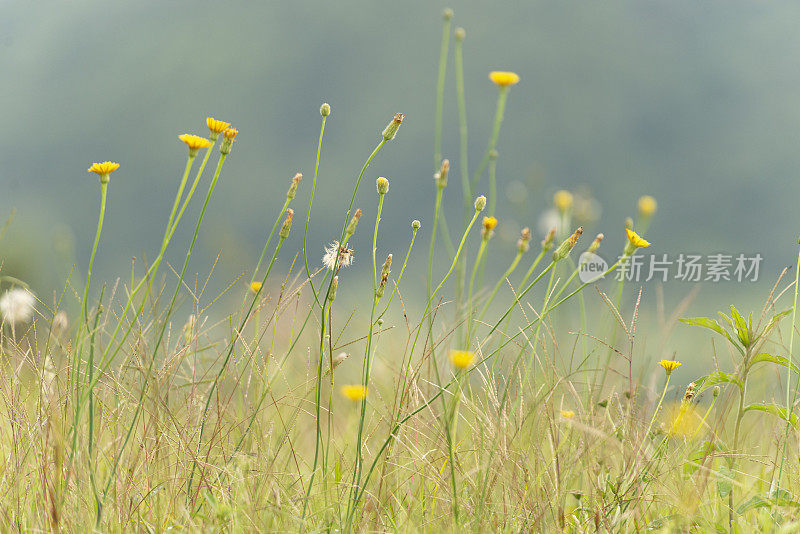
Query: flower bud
(447, 14)
(524, 240)
(325, 109)
(391, 129)
(565, 248)
(480, 203)
(334, 287)
(227, 141)
(628, 223)
(489, 224)
(287, 224)
(383, 185)
(460, 34)
(293, 187)
(351, 228)
(716, 391)
(415, 225)
(441, 177)
(385, 270)
(596, 243)
(547, 242)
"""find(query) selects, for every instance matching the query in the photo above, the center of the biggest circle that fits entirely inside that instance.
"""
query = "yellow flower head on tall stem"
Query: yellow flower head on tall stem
(255, 287)
(504, 78)
(354, 392)
(216, 126)
(194, 142)
(669, 365)
(489, 224)
(462, 359)
(634, 241)
(104, 169)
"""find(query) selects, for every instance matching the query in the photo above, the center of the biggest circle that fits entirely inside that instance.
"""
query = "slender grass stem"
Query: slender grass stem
(308, 211)
(437, 129)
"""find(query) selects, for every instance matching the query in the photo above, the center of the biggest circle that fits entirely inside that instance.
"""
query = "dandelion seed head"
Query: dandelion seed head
(16, 306)
(345, 256)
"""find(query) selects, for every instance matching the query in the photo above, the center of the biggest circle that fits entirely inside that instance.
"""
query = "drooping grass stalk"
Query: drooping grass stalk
(159, 339)
(447, 15)
(791, 397)
(325, 110)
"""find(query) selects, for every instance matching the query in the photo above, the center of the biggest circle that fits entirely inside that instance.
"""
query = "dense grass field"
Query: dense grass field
(456, 401)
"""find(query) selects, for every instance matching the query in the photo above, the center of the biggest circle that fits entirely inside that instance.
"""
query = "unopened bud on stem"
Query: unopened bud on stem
(383, 185)
(391, 129)
(290, 194)
(480, 203)
(351, 228)
(566, 247)
(385, 270)
(287, 224)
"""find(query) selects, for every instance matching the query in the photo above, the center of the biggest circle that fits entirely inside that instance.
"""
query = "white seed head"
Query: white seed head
(345, 256)
(16, 305)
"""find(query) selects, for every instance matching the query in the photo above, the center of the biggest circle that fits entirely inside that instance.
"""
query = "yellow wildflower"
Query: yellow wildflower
(503, 78)
(255, 287)
(462, 358)
(216, 126)
(231, 133)
(669, 365)
(647, 206)
(562, 200)
(354, 392)
(636, 240)
(489, 223)
(106, 167)
(195, 142)
(567, 414)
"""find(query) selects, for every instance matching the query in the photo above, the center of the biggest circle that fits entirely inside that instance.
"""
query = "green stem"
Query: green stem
(790, 401)
(502, 95)
(478, 258)
(308, 212)
(437, 129)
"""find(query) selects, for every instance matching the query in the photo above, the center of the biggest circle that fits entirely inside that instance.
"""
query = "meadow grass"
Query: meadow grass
(467, 406)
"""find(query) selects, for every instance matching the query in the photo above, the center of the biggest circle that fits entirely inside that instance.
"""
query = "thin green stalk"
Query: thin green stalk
(269, 239)
(463, 155)
(478, 259)
(308, 211)
(496, 288)
(437, 129)
(414, 230)
(502, 95)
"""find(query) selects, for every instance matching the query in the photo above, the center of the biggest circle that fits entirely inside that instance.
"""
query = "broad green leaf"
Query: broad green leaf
(741, 326)
(711, 324)
(778, 411)
(780, 360)
(717, 377)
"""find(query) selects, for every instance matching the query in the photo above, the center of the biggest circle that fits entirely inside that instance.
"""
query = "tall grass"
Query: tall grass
(280, 404)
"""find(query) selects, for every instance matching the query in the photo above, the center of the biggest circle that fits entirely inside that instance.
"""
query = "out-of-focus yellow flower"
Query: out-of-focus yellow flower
(504, 78)
(669, 365)
(195, 142)
(563, 200)
(681, 420)
(354, 392)
(567, 414)
(216, 126)
(255, 287)
(636, 240)
(462, 358)
(489, 223)
(647, 206)
(104, 168)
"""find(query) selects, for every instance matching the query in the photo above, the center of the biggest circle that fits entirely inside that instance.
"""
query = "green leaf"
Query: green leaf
(717, 377)
(741, 326)
(724, 481)
(776, 319)
(780, 360)
(711, 324)
(778, 411)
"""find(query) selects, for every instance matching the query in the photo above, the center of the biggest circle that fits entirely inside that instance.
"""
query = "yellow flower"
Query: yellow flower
(216, 126)
(636, 240)
(104, 168)
(255, 287)
(462, 358)
(354, 392)
(647, 206)
(669, 365)
(489, 223)
(567, 414)
(504, 79)
(562, 200)
(195, 142)
(681, 420)
(230, 133)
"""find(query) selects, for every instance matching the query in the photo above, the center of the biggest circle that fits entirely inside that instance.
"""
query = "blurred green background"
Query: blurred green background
(694, 103)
